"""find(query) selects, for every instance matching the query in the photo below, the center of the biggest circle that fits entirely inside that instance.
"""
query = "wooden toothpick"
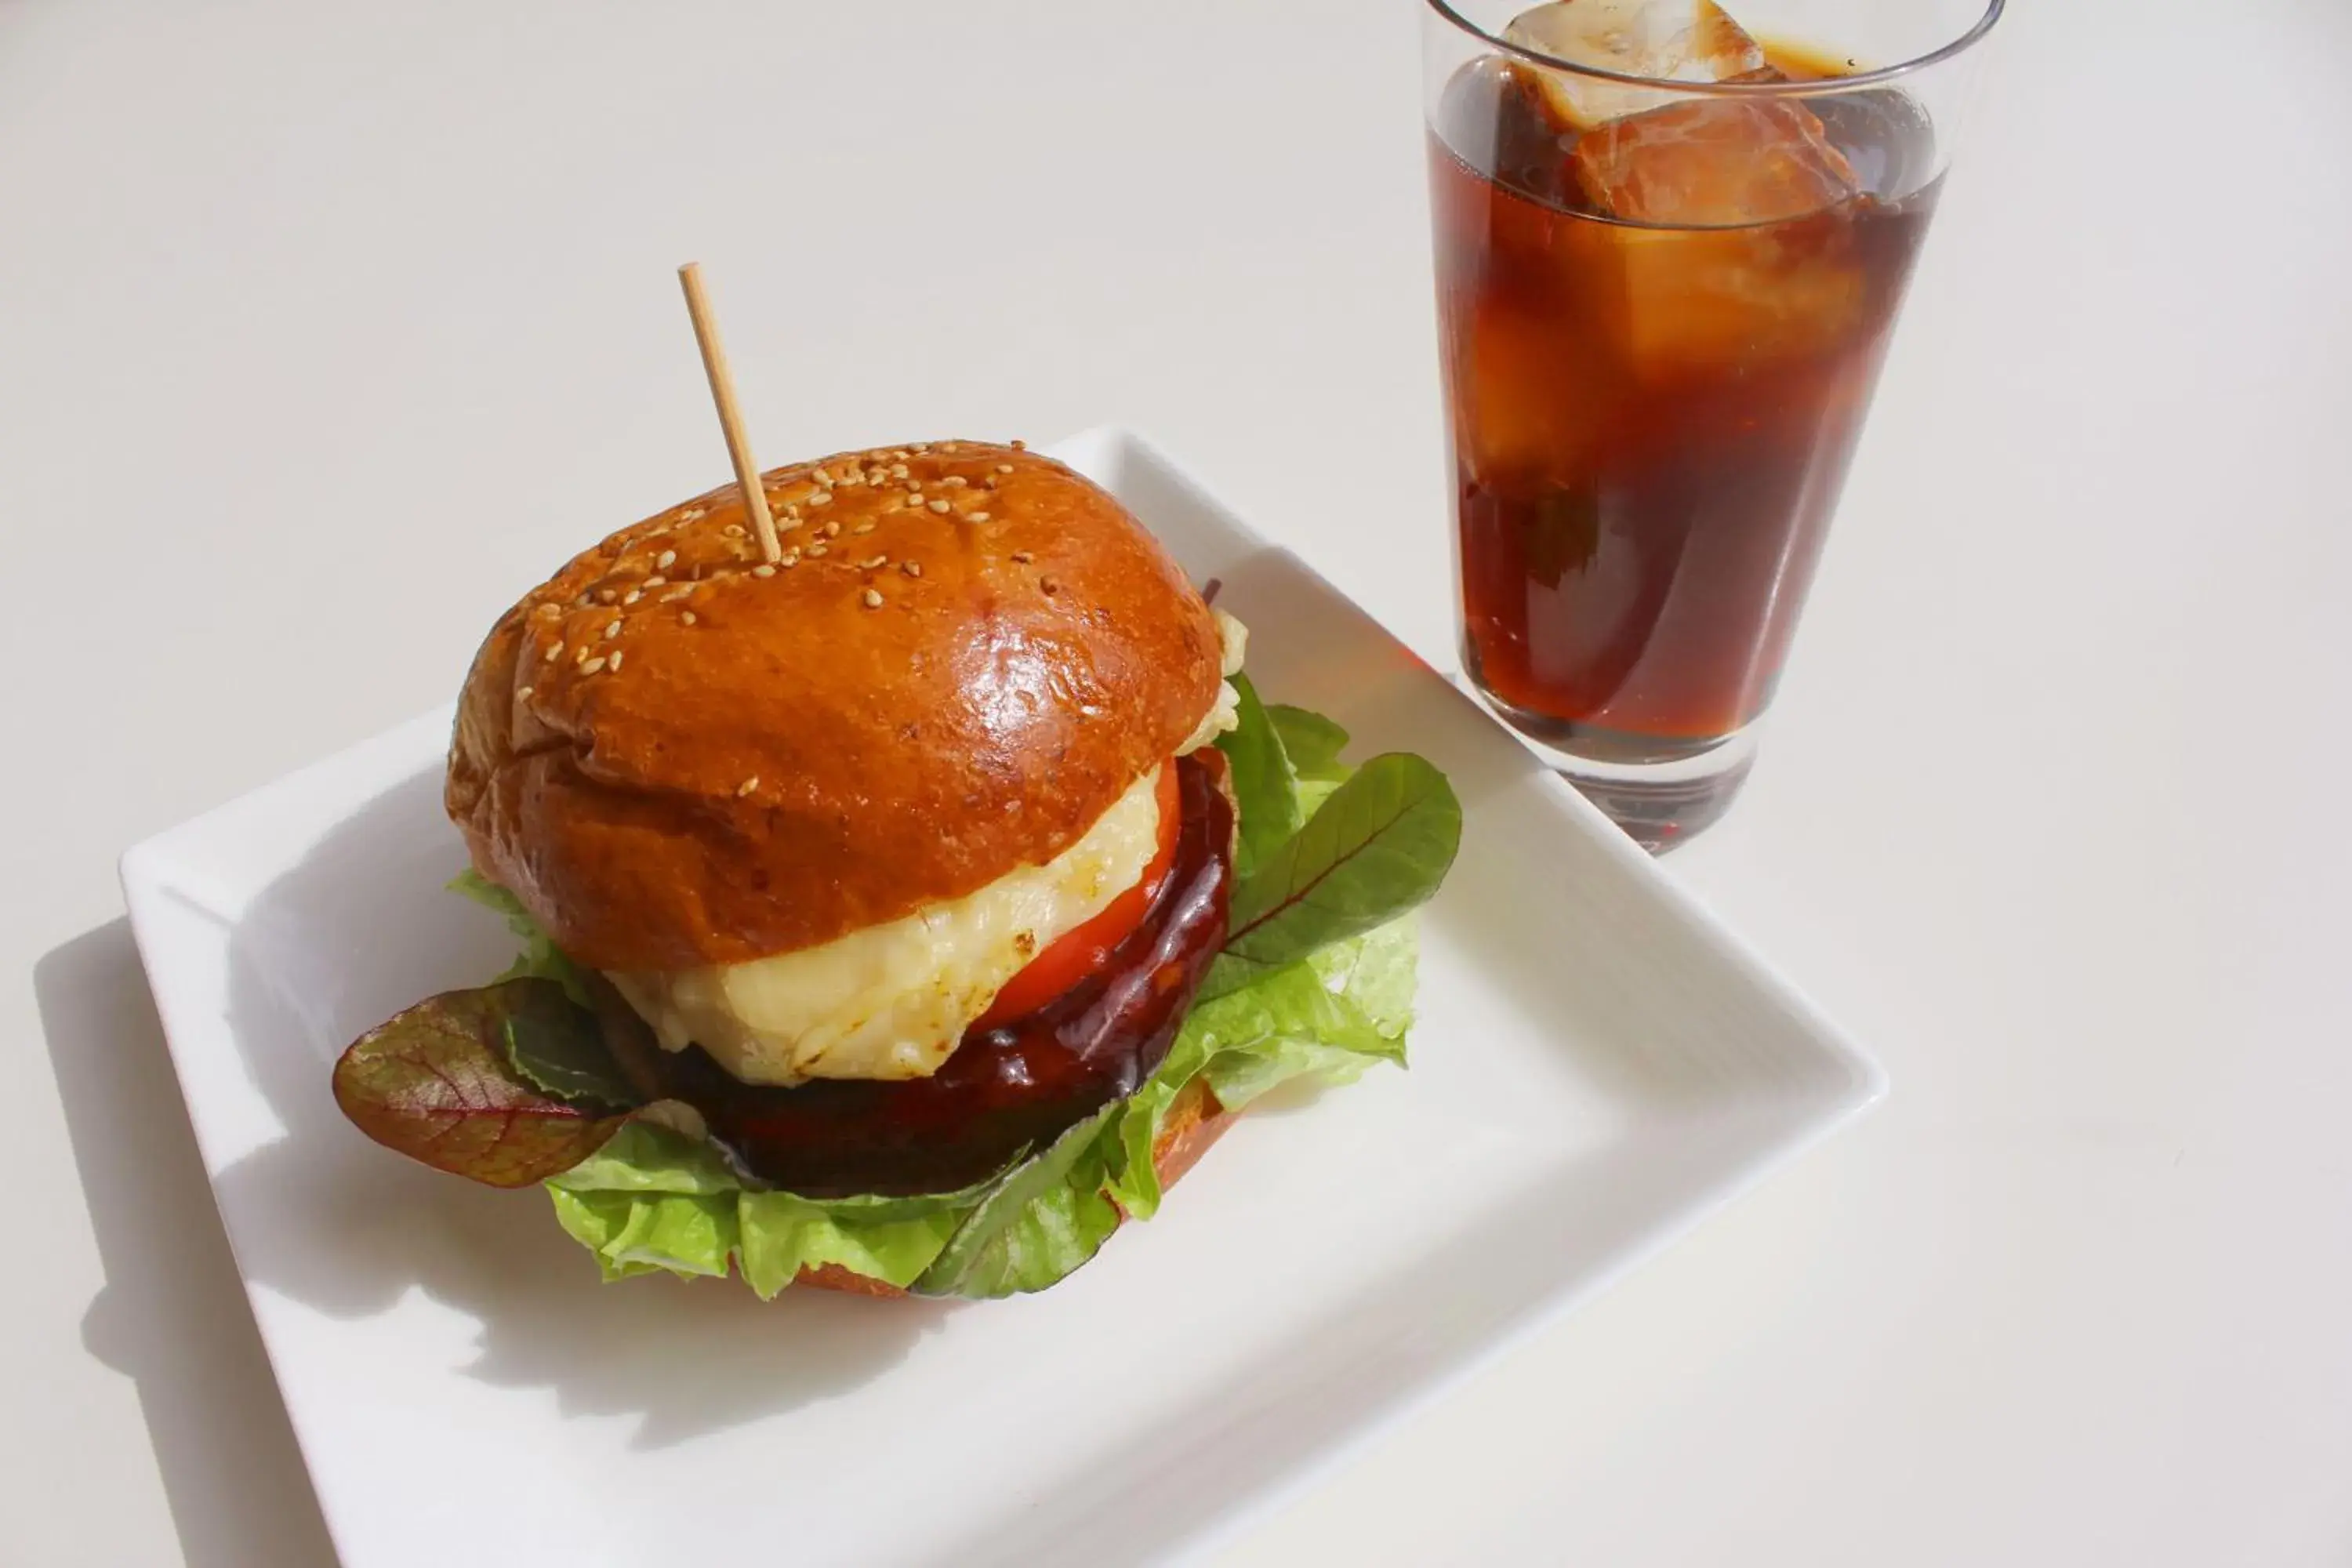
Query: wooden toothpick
(731, 419)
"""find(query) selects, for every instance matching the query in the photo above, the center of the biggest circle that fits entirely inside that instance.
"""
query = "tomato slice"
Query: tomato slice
(1084, 949)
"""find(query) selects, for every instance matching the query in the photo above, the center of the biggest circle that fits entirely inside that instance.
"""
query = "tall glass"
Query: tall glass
(1671, 246)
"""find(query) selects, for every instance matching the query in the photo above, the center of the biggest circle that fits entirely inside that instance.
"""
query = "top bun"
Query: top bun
(675, 756)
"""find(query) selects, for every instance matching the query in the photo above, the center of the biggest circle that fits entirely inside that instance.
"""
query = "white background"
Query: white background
(326, 328)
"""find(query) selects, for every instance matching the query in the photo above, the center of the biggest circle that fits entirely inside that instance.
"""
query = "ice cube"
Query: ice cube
(1696, 306)
(1665, 40)
(1712, 162)
(1738, 245)
(1524, 400)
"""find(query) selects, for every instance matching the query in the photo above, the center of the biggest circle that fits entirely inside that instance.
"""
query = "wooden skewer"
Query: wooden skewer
(731, 418)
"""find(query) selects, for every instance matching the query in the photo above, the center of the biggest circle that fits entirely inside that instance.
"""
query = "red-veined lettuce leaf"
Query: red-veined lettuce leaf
(437, 1083)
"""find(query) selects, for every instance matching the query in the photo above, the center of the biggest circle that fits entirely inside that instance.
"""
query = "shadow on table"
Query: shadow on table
(327, 1218)
(172, 1314)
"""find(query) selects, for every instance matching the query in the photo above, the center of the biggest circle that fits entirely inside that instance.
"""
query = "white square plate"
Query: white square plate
(1597, 1064)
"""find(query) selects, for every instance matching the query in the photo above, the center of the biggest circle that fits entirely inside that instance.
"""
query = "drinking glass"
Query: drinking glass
(1671, 245)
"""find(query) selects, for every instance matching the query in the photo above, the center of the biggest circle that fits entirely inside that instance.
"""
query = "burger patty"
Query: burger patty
(1004, 1089)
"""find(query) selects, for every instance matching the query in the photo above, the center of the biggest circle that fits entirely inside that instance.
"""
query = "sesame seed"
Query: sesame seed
(611, 628)
(920, 446)
(947, 446)
(733, 530)
(816, 551)
(617, 661)
(938, 505)
(548, 612)
(689, 515)
(747, 786)
(876, 476)
(820, 497)
(1018, 445)
(978, 517)
(763, 570)
(832, 531)
(863, 528)
(607, 595)
(821, 477)
(1023, 556)
(681, 592)
(898, 471)
(554, 651)
(872, 599)
(900, 453)
(656, 582)
(686, 617)
(870, 565)
(912, 568)
(955, 481)
(631, 597)
(1004, 467)
(593, 665)
(792, 558)
(523, 695)
(665, 560)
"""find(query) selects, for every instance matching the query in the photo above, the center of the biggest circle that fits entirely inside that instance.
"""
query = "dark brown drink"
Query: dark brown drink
(1660, 336)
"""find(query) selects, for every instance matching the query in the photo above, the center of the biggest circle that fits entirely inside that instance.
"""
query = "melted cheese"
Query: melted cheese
(892, 1001)
(1225, 713)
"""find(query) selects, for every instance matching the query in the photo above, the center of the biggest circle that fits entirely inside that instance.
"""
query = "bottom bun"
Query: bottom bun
(1194, 1121)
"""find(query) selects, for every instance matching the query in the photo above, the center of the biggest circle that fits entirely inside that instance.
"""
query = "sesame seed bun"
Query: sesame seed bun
(675, 756)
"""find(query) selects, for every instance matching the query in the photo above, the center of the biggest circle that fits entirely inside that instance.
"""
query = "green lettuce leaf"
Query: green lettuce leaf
(1326, 1019)
(783, 1234)
(1375, 971)
(1265, 790)
(540, 958)
(561, 1051)
(1238, 1077)
(1311, 741)
(645, 1157)
(654, 1198)
(1298, 1028)
(1129, 1176)
(1047, 1219)
(636, 1233)
(1313, 744)
(1378, 846)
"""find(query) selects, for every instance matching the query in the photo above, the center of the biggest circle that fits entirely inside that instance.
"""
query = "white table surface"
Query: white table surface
(326, 328)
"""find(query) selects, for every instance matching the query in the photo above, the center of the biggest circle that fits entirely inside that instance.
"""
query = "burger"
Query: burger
(905, 897)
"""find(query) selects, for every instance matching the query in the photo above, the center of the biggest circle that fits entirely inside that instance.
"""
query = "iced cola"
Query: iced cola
(1662, 315)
